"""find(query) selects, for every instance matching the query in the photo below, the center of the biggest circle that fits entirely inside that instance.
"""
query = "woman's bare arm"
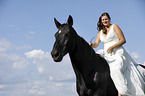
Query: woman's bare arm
(97, 42)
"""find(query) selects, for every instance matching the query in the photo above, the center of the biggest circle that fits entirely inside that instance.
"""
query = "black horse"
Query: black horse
(92, 71)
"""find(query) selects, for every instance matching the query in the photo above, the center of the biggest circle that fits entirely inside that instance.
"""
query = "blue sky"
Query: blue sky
(27, 35)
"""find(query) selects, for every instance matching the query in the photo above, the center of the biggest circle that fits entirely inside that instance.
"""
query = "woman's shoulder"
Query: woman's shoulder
(99, 32)
(115, 25)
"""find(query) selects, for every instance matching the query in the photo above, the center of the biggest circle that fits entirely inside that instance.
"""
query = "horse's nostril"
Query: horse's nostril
(57, 54)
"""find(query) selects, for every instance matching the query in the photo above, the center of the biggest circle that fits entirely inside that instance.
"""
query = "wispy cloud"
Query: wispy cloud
(10, 62)
(10, 25)
(34, 75)
(39, 88)
(23, 47)
(51, 79)
(136, 56)
(30, 34)
(4, 45)
(48, 68)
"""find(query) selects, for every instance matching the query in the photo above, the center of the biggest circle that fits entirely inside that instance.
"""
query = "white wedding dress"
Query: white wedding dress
(128, 80)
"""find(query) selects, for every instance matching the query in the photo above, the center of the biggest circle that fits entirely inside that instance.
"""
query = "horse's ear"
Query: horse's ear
(70, 20)
(58, 25)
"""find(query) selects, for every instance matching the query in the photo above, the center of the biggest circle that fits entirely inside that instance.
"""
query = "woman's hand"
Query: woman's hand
(91, 44)
(110, 49)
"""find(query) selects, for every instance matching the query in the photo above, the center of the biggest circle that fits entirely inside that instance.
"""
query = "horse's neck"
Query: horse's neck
(83, 53)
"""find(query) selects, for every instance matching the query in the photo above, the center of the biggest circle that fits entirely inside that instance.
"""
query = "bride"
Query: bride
(124, 73)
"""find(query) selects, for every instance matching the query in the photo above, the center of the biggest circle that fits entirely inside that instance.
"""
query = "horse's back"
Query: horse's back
(102, 63)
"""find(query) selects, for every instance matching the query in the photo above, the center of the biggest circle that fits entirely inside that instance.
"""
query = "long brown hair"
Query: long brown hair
(100, 25)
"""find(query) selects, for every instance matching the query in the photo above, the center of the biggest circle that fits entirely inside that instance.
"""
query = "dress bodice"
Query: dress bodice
(110, 39)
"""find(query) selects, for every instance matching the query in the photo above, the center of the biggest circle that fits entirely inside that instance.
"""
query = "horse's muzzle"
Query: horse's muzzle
(56, 56)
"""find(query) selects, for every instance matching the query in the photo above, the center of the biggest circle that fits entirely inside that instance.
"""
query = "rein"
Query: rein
(92, 40)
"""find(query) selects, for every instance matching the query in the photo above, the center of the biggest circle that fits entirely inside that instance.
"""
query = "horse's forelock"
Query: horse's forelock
(70, 28)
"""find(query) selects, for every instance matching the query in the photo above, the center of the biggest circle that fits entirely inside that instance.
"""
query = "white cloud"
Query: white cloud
(39, 54)
(40, 69)
(136, 56)
(54, 79)
(39, 88)
(48, 68)
(10, 61)
(2, 86)
(4, 45)
(12, 67)
(11, 64)
(34, 75)
(19, 62)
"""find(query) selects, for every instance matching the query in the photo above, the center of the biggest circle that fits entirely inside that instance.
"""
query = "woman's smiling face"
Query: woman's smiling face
(105, 21)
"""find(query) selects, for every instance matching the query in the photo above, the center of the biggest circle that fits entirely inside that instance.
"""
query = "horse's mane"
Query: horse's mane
(89, 51)
(88, 54)
(86, 48)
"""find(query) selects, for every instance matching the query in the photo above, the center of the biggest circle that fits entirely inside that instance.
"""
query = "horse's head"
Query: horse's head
(64, 39)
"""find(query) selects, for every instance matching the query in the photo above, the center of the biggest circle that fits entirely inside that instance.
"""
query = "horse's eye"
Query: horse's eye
(66, 34)
(67, 30)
